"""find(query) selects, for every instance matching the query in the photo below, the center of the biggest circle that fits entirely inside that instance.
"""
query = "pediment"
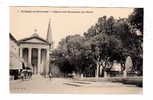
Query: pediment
(34, 40)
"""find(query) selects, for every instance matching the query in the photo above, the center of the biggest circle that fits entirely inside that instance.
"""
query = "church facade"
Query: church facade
(35, 52)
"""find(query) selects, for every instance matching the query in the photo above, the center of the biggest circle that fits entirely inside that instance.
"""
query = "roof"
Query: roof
(34, 36)
(13, 38)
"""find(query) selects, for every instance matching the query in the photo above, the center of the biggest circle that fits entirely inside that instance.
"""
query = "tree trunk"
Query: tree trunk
(97, 71)
(125, 73)
(100, 71)
(105, 74)
(81, 75)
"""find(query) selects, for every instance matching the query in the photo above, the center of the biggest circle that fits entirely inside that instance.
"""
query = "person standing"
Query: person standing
(50, 75)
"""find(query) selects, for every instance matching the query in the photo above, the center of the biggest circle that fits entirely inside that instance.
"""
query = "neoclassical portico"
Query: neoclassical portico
(35, 52)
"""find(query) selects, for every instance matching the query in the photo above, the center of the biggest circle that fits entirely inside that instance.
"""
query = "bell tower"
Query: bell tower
(49, 34)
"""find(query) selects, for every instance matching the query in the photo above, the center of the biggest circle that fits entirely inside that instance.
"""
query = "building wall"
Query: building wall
(14, 47)
(116, 66)
(15, 61)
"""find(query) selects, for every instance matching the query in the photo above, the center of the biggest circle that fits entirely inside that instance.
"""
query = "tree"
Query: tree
(106, 43)
(70, 54)
(112, 39)
(108, 40)
(136, 19)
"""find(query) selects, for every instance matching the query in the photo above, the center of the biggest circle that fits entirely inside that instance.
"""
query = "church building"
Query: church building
(35, 51)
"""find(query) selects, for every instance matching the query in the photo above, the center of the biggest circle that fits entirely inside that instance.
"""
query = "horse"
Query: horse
(26, 74)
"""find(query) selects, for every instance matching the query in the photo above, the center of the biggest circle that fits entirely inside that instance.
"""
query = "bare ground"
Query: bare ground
(39, 84)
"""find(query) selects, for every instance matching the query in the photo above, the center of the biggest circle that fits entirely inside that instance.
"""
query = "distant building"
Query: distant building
(15, 61)
(116, 67)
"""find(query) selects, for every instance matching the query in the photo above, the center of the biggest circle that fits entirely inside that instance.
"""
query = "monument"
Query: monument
(128, 66)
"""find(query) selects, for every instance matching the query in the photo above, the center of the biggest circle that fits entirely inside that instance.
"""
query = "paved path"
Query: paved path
(38, 84)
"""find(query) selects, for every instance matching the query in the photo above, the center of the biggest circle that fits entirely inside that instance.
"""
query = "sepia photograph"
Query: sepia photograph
(75, 50)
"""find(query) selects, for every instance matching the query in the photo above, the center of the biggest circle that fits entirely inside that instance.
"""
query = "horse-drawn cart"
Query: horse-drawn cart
(26, 73)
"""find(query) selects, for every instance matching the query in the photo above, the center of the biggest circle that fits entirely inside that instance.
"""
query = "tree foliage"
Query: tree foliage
(136, 19)
(108, 40)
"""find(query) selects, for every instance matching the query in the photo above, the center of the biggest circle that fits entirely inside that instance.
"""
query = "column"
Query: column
(47, 62)
(20, 52)
(29, 56)
(39, 60)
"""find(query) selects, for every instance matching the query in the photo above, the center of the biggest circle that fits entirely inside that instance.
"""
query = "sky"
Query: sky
(64, 20)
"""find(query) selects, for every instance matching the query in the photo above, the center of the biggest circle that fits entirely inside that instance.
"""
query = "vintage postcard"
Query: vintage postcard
(76, 50)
